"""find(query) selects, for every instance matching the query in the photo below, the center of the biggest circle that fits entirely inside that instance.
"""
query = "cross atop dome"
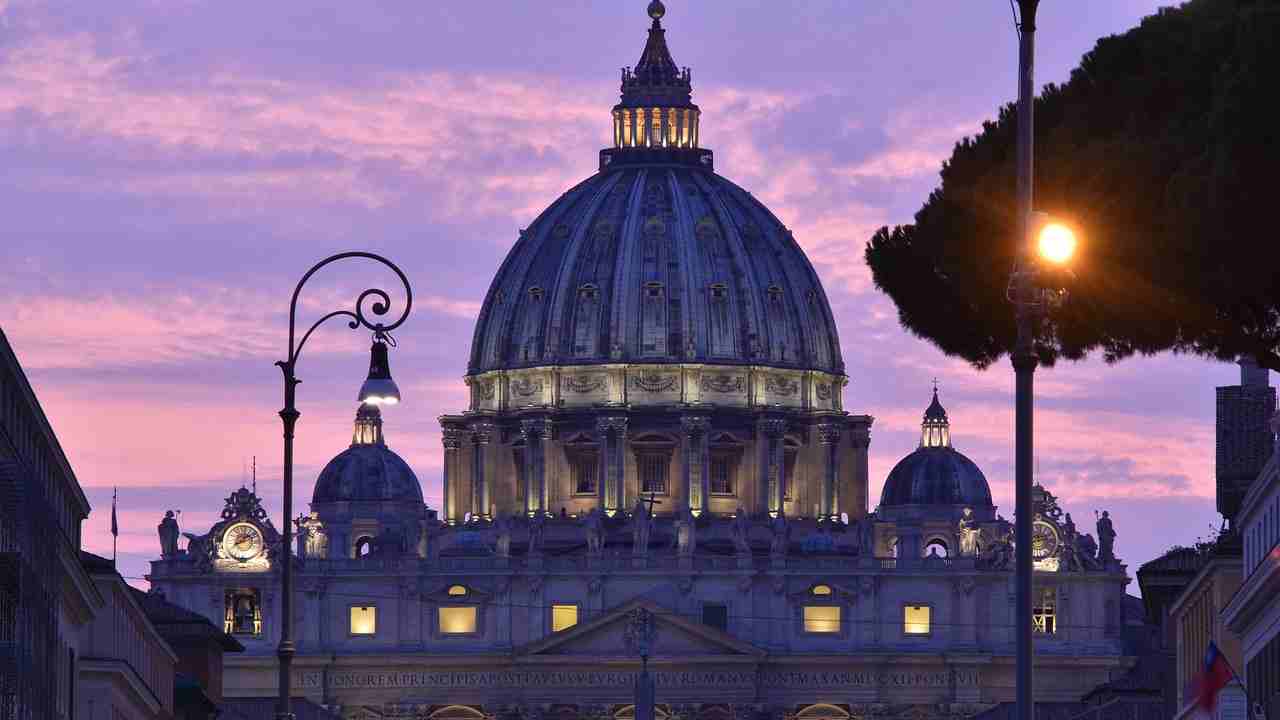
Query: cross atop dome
(656, 110)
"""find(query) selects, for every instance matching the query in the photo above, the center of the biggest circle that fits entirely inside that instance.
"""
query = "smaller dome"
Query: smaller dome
(368, 470)
(936, 473)
(936, 476)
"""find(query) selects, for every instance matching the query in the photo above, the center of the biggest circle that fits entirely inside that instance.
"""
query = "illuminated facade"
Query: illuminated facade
(656, 425)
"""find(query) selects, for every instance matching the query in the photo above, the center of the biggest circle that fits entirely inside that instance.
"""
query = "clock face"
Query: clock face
(242, 541)
(1044, 540)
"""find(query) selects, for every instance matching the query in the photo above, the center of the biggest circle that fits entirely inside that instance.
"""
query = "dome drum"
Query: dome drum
(656, 385)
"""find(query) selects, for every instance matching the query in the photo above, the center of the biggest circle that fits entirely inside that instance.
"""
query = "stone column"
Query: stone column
(611, 433)
(696, 462)
(854, 501)
(481, 496)
(452, 439)
(829, 439)
(536, 432)
(773, 481)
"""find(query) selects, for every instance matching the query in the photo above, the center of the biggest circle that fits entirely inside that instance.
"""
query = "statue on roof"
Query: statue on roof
(168, 530)
(593, 523)
(1106, 539)
(740, 528)
(969, 533)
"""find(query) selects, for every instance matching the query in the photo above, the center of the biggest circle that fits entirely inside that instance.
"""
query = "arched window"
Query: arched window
(936, 546)
(364, 546)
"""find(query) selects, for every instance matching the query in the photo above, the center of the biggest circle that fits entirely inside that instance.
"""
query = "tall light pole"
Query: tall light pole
(378, 389)
(1024, 356)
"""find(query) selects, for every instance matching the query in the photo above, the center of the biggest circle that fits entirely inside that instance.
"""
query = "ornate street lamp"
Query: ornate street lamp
(379, 388)
(1034, 290)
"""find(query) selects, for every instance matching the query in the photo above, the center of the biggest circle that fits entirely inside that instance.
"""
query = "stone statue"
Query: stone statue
(969, 533)
(1087, 550)
(781, 535)
(1106, 539)
(1069, 527)
(537, 528)
(594, 524)
(200, 549)
(168, 529)
(317, 539)
(642, 526)
(998, 555)
(686, 532)
(741, 531)
(502, 526)
(864, 536)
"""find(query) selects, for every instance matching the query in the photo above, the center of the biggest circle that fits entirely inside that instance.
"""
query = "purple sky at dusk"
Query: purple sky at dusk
(171, 167)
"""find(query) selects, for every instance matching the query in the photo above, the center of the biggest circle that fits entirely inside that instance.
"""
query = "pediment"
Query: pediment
(674, 636)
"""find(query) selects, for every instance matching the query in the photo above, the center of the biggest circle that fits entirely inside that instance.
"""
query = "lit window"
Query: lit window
(583, 465)
(563, 617)
(915, 619)
(458, 590)
(653, 472)
(364, 546)
(821, 619)
(721, 474)
(364, 620)
(1043, 613)
(821, 590)
(457, 620)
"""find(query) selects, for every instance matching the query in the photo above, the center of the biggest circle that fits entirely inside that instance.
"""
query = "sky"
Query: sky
(170, 168)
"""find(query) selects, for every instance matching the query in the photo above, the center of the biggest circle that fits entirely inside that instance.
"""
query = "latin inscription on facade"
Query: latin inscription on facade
(516, 679)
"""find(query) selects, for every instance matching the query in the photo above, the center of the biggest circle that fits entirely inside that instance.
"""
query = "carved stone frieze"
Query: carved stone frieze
(583, 384)
(723, 383)
(484, 389)
(525, 387)
(823, 391)
(781, 386)
(611, 423)
(695, 425)
(654, 382)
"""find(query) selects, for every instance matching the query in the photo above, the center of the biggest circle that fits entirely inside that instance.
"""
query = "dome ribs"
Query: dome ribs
(656, 263)
(572, 307)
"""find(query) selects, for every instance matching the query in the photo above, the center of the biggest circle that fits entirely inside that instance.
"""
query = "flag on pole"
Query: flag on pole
(115, 527)
(1214, 676)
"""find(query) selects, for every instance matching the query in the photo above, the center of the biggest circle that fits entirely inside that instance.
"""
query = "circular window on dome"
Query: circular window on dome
(457, 590)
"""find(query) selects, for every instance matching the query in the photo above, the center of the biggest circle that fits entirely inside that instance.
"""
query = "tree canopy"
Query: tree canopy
(1163, 148)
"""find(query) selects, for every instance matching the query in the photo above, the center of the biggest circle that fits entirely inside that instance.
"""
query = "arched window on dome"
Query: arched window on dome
(583, 457)
(363, 546)
(726, 456)
(653, 463)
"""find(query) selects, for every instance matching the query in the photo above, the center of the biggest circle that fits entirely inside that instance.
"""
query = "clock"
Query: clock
(1044, 540)
(242, 541)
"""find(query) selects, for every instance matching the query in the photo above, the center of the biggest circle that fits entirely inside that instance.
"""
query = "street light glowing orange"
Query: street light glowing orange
(1057, 243)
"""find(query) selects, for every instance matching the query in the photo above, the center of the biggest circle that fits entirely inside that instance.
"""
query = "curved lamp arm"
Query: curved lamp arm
(381, 305)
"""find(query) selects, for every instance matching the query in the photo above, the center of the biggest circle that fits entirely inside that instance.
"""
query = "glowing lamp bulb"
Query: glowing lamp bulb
(1057, 243)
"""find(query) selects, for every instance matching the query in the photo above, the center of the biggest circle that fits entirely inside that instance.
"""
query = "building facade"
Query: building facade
(1253, 614)
(1196, 615)
(655, 461)
(46, 597)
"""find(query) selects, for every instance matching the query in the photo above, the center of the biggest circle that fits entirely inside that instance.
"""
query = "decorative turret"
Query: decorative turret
(368, 426)
(935, 431)
(656, 110)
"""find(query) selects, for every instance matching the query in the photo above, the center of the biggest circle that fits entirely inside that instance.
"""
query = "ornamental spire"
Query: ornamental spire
(935, 431)
(657, 109)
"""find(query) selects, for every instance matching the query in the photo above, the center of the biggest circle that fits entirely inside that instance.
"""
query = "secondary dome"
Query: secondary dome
(936, 473)
(656, 258)
(368, 470)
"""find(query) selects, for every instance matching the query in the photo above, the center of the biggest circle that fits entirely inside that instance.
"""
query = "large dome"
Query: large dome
(936, 473)
(368, 471)
(656, 258)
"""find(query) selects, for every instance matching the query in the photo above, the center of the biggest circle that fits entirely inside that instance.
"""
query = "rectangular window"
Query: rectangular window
(563, 617)
(583, 466)
(364, 620)
(716, 616)
(1044, 612)
(915, 619)
(457, 620)
(821, 619)
(721, 474)
(653, 472)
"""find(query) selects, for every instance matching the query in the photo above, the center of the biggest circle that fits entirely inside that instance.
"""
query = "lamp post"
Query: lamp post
(1038, 240)
(378, 389)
